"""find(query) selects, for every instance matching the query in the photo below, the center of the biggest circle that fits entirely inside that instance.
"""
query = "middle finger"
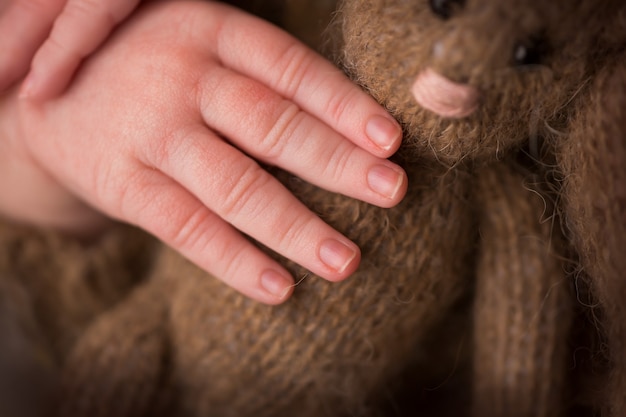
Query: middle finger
(278, 132)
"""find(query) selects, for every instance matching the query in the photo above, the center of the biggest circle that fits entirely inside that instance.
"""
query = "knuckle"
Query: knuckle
(296, 63)
(201, 232)
(272, 144)
(188, 229)
(228, 259)
(290, 231)
(243, 197)
(338, 105)
(336, 167)
(154, 204)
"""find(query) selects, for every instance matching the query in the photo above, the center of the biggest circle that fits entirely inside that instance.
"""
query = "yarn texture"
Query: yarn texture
(495, 288)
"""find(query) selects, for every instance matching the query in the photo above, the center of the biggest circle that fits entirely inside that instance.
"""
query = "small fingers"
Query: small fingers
(78, 31)
(276, 131)
(237, 190)
(24, 24)
(161, 206)
(267, 54)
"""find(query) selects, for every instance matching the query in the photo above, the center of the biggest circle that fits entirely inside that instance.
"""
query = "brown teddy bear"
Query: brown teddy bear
(548, 78)
(463, 284)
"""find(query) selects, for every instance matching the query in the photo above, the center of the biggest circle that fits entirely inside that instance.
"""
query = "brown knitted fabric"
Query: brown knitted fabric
(593, 159)
(27, 366)
(522, 313)
(69, 282)
(51, 288)
(118, 367)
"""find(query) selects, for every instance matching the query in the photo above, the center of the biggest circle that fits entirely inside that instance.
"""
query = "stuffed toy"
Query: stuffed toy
(546, 79)
(469, 294)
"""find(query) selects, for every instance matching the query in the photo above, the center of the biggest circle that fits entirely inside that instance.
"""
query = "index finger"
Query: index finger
(261, 51)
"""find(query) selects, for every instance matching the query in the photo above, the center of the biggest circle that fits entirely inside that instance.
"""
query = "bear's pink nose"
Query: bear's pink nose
(444, 97)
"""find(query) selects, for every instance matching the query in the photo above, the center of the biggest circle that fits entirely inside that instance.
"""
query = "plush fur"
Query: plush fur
(565, 110)
(594, 200)
(464, 288)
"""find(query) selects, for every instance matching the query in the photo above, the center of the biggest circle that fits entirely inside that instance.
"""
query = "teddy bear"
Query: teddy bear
(473, 85)
(466, 286)
(565, 101)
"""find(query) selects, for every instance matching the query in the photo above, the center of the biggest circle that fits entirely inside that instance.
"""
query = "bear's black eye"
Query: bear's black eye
(530, 52)
(445, 8)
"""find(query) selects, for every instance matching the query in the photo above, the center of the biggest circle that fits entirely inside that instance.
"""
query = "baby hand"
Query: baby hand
(53, 37)
(162, 127)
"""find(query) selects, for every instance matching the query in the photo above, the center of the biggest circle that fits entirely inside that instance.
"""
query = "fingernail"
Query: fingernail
(275, 283)
(385, 181)
(383, 131)
(336, 255)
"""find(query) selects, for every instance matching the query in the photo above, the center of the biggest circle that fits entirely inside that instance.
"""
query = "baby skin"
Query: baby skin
(166, 126)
